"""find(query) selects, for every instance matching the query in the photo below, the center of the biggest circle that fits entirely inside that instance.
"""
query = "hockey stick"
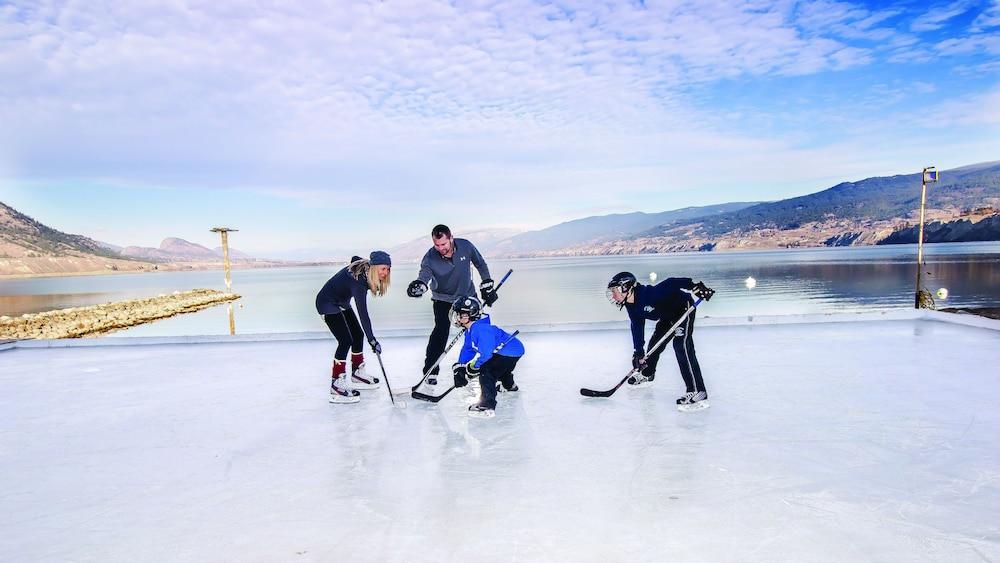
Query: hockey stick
(452, 343)
(400, 404)
(436, 398)
(592, 393)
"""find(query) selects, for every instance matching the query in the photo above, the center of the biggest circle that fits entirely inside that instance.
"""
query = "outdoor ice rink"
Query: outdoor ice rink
(855, 441)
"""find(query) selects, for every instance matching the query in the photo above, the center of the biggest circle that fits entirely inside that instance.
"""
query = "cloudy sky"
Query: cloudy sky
(321, 127)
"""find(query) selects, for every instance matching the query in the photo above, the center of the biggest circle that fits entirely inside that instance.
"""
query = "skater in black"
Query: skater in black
(446, 270)
(354, 281)
(665, 302)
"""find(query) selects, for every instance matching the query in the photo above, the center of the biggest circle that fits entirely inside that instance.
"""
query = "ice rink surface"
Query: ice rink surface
(865, 441)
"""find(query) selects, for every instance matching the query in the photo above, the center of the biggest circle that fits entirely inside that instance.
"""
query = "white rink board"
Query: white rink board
(859, 441)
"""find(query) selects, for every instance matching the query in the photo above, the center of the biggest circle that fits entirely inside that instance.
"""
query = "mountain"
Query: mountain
(602, 228)
(21, 236)
(872, 199)
(864, 212)
(486, 240)
(174, 249)
(28, 247)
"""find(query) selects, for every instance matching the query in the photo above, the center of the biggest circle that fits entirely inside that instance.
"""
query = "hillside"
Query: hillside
(602, 228)
(864, 212)
(28, 247)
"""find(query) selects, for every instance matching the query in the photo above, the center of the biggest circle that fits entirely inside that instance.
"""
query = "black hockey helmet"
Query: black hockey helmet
(625, 283)
(466, 306)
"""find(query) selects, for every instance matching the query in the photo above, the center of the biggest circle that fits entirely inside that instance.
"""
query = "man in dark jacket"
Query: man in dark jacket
(446, 270)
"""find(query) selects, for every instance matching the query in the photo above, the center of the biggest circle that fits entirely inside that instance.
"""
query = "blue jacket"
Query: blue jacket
(666, 300)
(336, 295)
(483, 337)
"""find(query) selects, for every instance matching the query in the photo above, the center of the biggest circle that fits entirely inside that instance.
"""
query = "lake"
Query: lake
(558, 290)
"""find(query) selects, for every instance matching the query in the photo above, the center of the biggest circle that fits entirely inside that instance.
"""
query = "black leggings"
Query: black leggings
(439, 336)
(497, 368)
(687, 361)
(347, 330)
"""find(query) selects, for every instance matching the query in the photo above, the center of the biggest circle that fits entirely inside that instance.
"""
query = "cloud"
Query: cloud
(410, 104)
(937, 16)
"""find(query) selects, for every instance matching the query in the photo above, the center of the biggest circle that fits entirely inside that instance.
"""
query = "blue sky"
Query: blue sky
(319, 128)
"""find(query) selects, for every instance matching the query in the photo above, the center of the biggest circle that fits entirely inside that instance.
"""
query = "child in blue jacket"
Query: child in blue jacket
(487, 352)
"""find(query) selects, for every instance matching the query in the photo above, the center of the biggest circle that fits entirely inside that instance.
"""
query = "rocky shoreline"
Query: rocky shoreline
(96, 320)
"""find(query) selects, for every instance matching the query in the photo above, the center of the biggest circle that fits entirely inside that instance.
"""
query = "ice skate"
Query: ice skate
(513, 388)
(693, 402)
(339, 393)
(479, 411)
(638, 381)
(359, 376)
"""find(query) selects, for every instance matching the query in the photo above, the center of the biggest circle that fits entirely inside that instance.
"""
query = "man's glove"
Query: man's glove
(416, 288)
(461, 375)
(376, 347)
(486, 290)
(703, 292)
(638, 360)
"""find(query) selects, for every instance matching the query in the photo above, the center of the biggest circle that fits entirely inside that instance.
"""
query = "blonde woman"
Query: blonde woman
(354, 281)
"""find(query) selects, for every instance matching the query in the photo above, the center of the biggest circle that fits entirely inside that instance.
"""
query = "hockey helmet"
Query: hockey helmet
(468, 305)
(625, 283)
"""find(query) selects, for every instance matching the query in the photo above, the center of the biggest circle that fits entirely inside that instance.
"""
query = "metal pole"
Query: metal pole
(224, 231)
(920, 238)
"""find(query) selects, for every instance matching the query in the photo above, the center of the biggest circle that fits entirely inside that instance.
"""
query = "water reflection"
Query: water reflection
(558, 290)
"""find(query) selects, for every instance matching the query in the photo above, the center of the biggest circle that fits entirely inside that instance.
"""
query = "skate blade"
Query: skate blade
(699, 406)
(482, 414)
(642, 385)
(340, 399)
(363, 386)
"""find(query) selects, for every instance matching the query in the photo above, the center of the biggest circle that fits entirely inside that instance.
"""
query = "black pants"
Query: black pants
(687, 361)
(439, 336)
(347, 330)
(498, 368)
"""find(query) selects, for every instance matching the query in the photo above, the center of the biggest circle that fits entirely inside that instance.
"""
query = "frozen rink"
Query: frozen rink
(860, 441)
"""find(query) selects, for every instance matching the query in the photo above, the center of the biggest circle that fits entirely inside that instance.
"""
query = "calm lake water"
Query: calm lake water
(558, 290)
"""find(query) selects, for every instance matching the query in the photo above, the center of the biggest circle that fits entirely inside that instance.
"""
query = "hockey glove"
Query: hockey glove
(376, 347)
(703, 292)
(486, 290)
(638, 360)
(416, 288)
(471, 369)
(461, 375)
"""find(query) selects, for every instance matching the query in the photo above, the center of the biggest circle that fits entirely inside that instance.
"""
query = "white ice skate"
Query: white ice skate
(361, 380)
(341, 394)
(693, 402)
(639, 381)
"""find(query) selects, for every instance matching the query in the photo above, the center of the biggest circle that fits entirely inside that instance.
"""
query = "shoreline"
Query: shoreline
(105, 318)
(167, 268)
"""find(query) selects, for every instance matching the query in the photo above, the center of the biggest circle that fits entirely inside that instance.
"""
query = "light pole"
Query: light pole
(224, 231)
(930, 175)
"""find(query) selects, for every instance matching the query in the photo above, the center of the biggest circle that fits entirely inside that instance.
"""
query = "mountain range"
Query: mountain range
(963, 206)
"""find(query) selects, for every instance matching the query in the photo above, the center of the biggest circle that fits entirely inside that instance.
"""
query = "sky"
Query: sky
(322, 128)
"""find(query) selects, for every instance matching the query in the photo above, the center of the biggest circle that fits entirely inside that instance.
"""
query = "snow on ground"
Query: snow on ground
(862, 441)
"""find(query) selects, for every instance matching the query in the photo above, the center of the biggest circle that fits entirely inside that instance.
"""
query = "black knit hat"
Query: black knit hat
(380, 258)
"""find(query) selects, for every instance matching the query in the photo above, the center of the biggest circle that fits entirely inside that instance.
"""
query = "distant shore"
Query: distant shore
(169, 267)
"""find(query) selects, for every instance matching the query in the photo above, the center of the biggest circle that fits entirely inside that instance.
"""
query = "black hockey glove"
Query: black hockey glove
(416, 288)
(486, 290)
(461, 375)
(638, 360)
(703, 292)
(376, 347)
(471, 369)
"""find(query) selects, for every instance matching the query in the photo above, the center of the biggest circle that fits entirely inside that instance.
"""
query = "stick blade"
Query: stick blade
(592, 393)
